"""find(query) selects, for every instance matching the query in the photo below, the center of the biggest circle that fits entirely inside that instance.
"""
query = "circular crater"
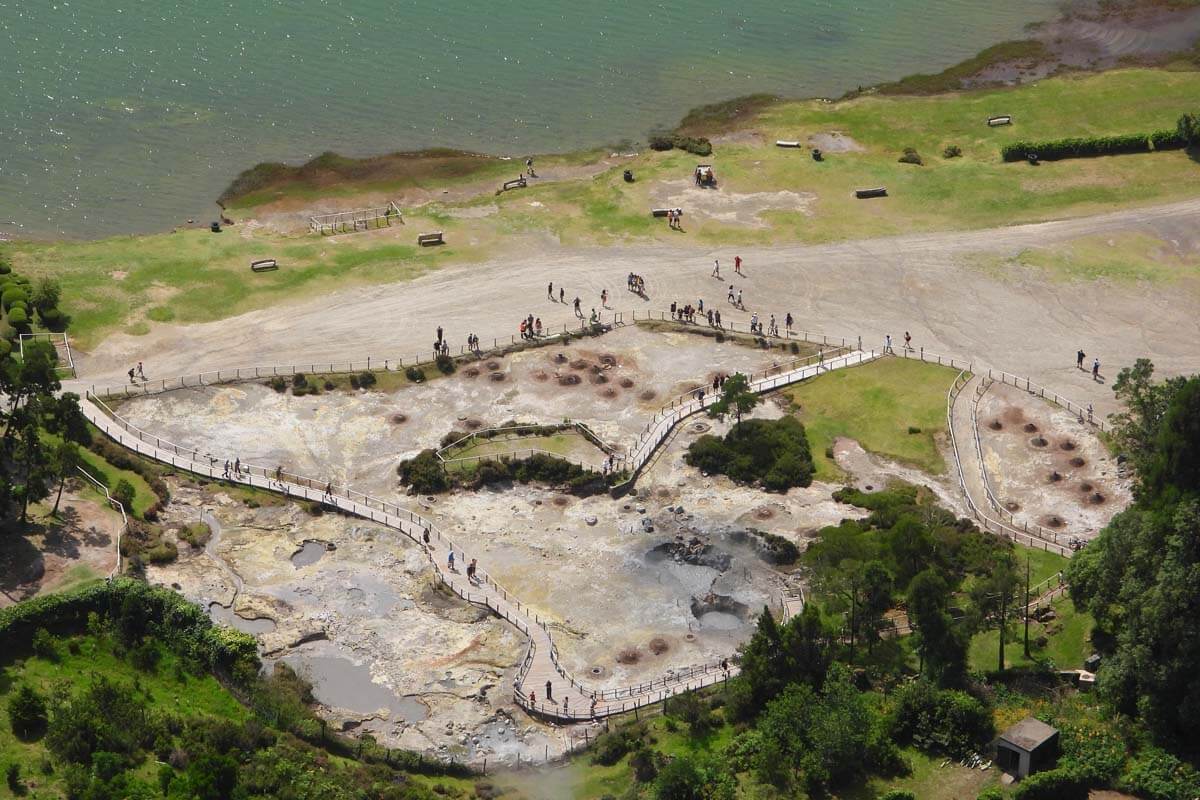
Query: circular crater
(700, 427)
(629, 655)
(492, 364)
(1086, 487)
(1095, 499)
(471, 372)
(569, 380)
(608, 360)
(599, 378)
(473, 424)
(1066, 444)
(658, 645)
(1053, 521)
(398, 419)
(626, 383)
(560, 358)
(1012, 506)
(597, 671)
(1038, 441)
(1054, 477)
(996, 425)
(764, 512)
(560, 501)
(497, 377)
(608, 392)
(691, 637)
(649, 394)
(663, 492)
(541, 377)
(1030, 427)
(1077, 462)
(579, 363)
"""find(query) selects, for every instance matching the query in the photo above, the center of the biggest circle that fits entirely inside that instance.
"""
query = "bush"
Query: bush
(12, 775)
(5, 347)
(414, 374)
(1167, 140)
(1055, 784)
(366, 379)
(1158, 775)
(913, 430)
(939, 720)
(19, 319)
(1080, 147)
(898, 794)
(329, 387)
(424, 473)
(196, 534)
(124, 494)
(27, 713)
(11, 295)
(774, 453)
(991, 793)
(278, 384)
(911, 156)
(611, 747)
(696, 145)
(44, 645)
(162, 553)
(952, 151)
(299, 380)
(52, 318)
(445, 364)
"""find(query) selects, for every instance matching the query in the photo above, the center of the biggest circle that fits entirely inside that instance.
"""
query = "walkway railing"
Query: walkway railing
(119, 507)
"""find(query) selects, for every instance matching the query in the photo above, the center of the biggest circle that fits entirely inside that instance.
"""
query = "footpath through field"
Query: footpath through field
(568, 699)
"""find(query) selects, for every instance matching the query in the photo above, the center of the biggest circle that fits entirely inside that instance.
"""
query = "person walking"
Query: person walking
(471, 571)
(425, 537)
(887, 343)
(716, 273)
(1096, 369)
(700, 307)
(537, 326)
(731, 294)
(549, 693)
(141, 372)
(604, 298)
(740, 304)
(907, 340)
(717, 318)
(1079, 357)
(737, 264)
(562, 293)
(131, 370)
(450, 561)
(578, 313)
(787, 321)
(550, 290)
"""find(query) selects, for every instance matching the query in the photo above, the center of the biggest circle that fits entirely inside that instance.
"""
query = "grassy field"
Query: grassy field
(1068, 641)
(1119, 258)
(128, 283)
(876, 404)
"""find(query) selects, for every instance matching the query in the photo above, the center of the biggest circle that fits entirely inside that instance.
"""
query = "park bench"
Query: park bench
(662, 212)
(786, 143)
(264, 265)
(519, 183)
(426, 239)
(878, 191)
(1001, 120)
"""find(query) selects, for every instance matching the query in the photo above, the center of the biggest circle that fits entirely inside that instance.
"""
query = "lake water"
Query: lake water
(132, 115)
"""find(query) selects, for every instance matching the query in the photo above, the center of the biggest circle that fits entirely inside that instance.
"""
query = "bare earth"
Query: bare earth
(918, 283)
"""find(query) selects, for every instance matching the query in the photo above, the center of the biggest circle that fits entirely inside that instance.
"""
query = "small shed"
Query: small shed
(1027, 747)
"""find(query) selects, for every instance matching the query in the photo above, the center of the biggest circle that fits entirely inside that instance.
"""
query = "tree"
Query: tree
(1188, 128)
(1145, 403)
(65, 463)
(27, 713)
(942, 647)
(124, 494)
(763, 664)
(994, 599)
(736, 396)
(46, 294)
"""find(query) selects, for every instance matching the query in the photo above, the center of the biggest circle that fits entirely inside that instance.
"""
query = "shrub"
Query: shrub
(1158, 775)
(144, 657)
(27, 713)
(278, 383)
(952, 151)
(19, 319)
(611, 747)
(696, 145)
(911, 156)
(162, 553)
(329, 386)
(1055, 784)
(913, 430)
(197, 534)
(299, 380)
(772, 452)
(46, 294)
(124, 494)
(52, 318)
(5, 348)
(939, 720)
(44, 645)
(1167, 140)
(424, 473)
(414, 374)
(366, 379)
(1079, 147)
(11, 295)
(661, 142)
(445, 364)
(12, 775)
(644, 764)
(991, 793)
(898, 794)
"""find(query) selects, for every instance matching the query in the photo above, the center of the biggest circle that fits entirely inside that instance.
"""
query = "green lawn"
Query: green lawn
(876, 404)
(1068, 641)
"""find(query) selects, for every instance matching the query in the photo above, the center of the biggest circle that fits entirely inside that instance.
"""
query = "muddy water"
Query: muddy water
(225, 616)
(309, 553)
(340, 683)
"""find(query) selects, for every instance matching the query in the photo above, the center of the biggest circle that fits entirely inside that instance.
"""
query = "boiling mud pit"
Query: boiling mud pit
(614, 383)
(386, 652)
(1046, 467)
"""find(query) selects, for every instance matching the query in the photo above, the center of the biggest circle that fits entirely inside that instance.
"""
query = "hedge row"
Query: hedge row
(181, 625)
(1086, 146)
(697, 146)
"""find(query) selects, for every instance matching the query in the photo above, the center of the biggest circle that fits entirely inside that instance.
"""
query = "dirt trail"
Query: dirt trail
(918, 283)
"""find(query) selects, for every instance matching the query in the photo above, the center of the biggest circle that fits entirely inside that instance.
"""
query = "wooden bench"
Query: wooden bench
(879, 191)
(426, 239)
(1002, 120)
(785, 143)
(264, 265)
(519, 183)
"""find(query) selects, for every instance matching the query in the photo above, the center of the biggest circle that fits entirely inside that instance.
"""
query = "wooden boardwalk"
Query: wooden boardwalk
(568, 699)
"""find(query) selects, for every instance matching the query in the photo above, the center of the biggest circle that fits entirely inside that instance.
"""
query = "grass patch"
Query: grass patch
(566, 444)
(1121, 258)
(1024, 51)
(1068, 641)
(876, 404)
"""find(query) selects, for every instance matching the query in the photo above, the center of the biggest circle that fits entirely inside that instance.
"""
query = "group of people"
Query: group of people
(688, 313)
(1079, 357)
(772, 327)
(675, 218)
(472, 568)
(137, 373)
(737, 267)
(636, 284)
(530, 328)
(887, 342)
(735, 298)
(235, 468)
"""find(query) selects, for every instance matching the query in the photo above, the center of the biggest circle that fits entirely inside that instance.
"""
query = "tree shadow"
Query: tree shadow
(59, 534)
(21, 562)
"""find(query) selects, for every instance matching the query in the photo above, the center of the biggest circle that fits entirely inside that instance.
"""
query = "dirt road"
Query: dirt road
(923, 283)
